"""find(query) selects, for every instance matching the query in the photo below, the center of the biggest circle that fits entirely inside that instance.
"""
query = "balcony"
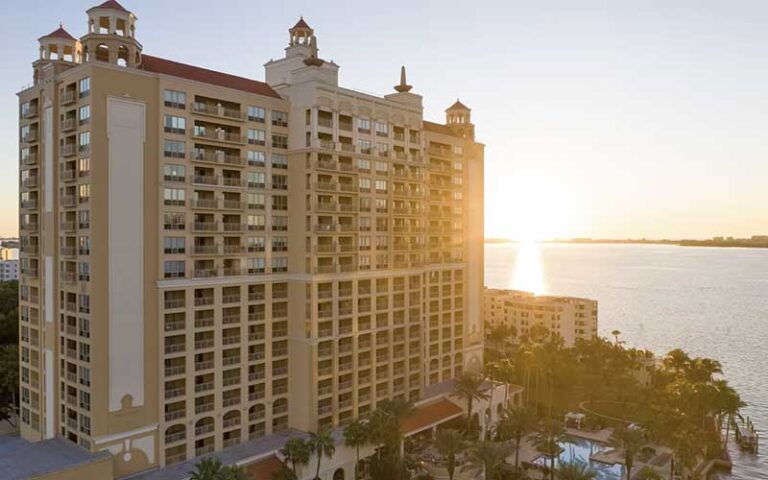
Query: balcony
(217, 111)
(174, 415)
(218, 135)
(218, 158)
(68, 149)
(67, 97)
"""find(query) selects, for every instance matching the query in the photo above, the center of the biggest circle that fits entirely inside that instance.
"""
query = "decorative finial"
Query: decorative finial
(403, 87)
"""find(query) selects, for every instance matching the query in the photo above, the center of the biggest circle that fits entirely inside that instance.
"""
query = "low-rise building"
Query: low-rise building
(9, 270)
(569, 317)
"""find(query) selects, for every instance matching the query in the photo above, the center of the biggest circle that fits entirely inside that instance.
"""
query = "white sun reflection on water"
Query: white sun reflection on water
(528, 274)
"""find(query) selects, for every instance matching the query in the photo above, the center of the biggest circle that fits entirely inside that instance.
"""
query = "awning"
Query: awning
(430, 415)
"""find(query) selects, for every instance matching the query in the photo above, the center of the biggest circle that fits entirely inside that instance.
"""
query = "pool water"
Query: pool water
(580, 449)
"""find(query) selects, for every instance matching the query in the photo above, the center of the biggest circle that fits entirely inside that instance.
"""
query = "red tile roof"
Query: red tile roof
(458, 106)
(429, 415)
(113, 5)
(439, 128)
(263, 469)
(59, 33)
(302, 24)
(190, 72)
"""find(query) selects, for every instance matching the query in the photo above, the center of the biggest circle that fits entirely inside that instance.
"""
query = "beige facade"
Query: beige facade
(569, 317)
(204, 262)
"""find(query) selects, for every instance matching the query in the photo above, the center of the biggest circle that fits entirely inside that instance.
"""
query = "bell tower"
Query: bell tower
(111, 36)
(58, 49)
(301, 62)
(458, 117)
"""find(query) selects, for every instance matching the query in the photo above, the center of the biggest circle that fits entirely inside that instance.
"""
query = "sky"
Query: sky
(602, 119)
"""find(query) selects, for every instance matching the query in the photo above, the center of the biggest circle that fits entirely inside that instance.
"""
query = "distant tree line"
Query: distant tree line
(9, 351)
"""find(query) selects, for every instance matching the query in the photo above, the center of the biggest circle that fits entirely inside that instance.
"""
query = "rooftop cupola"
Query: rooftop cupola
(301, 33)
(403, 86)
(111, 36)
(458, 117)
(58, 48)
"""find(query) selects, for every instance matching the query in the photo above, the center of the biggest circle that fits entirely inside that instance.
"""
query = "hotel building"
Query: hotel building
(569, 317)
(209, 261)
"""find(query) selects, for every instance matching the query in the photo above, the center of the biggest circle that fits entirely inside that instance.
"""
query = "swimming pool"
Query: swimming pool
(580, 449)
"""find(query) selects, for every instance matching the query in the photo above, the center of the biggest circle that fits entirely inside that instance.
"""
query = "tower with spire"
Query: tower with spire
(458, 117)
(301, 62)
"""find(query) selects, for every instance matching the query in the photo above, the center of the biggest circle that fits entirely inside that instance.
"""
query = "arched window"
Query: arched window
(433, 364)
(256, 413)
(204, 425)
(232, 418)
(122, 56)
(338, 474)
(102, 53)
(175, 433)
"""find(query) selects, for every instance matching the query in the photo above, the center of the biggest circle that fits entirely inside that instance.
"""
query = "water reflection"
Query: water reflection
(528, 274)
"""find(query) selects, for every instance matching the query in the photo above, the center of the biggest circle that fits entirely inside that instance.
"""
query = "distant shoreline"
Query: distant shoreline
(736, 243)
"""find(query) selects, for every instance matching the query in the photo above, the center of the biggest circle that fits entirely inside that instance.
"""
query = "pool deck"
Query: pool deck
(602, 436)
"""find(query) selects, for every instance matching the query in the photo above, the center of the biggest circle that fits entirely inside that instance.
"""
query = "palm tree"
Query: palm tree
(321, 444)
(630, 441)
(616, 334)
(469, 387)
(677, 360)
(233, 472)
(296, 452)
(729, 405)
(207, 469)
(548, 440)
(355, 436)
(575, 470)
(515, 423)
(449, 443)
(488, 458)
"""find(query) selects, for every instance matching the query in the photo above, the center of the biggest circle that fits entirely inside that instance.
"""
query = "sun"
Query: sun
(533, 206)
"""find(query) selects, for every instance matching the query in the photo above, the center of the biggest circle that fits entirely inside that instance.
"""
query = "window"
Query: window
(255, 244)
(174, 221)
(364, 263)
(85, 141)
(365, 146)
(383, 149)
(364, 184)
(175, 124)
(279, 161)
(85, 307)
(85, 422)
(381, 205)
(174, 196)
(84, 245)
(363, 125)
(256, 222)
(365, 224)
(280, 244)
(457, 180)
(257, 137)
(84, 271)
(382, 167)
(279, 202)
(83, 192)
(280, 182)
(280, 264)
(256, 265)
(279, 141)
(84, 219)
(256, 201)
(381, 186)
(84, 167)
(256, 179)
(173, 245)
(173, 269)
(279, 118)
(279, 223)
(174, 149)
(458, 149)
(85, 376)
(84, 86)
(458, 166)
(25, 109)
(85, 401)
(364, 243)
(382, 129)
(84, 114)
(175, 99)
(365, 204)
(363, 165)
(174, 173)
(256, 114)
(382, 242)
(256, 159)
(85, 352)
